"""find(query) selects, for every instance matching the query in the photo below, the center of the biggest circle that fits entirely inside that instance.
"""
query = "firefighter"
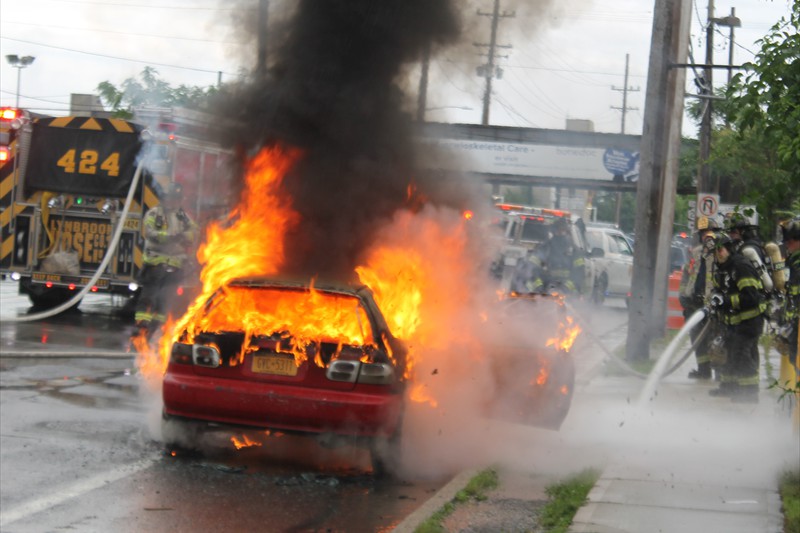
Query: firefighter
(748, 243)
(695, 289)
(169, 237)
(528, 275)
(790, 319)
(562, 264)
(739, 302)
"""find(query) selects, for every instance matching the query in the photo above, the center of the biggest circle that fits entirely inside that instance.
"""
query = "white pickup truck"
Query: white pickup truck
(617, 260)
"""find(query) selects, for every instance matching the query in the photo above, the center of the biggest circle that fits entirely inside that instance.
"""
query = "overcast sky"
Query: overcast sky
(564, 57)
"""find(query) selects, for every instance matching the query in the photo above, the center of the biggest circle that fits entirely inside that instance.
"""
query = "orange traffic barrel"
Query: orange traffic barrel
(675, 318)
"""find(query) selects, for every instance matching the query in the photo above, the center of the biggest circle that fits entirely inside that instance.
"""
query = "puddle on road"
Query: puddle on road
(59, 389)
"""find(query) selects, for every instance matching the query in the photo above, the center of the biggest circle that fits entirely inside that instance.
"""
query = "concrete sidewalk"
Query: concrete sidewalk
(633, 501)
(681, 462)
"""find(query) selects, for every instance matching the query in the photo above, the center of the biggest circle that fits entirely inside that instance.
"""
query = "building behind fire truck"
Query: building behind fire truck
(63, 183)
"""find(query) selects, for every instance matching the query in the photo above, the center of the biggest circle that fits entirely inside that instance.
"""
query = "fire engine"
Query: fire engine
(63, 183)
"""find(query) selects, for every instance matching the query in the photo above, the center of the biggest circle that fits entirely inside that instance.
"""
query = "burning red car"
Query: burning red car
(300, 358)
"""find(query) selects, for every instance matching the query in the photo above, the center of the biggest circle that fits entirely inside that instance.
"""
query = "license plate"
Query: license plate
(270, 364)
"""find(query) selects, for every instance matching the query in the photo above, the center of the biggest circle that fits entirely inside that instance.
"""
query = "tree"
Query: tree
(149, 90)
(765, 111)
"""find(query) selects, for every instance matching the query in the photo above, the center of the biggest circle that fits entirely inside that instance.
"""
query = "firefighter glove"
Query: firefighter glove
(717, 300)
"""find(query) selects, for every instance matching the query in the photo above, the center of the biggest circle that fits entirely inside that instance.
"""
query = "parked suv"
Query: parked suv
(526, 228)
(617, 261)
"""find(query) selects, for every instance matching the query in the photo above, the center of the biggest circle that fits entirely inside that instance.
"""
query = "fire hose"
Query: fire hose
(625, 366)
(100, 269)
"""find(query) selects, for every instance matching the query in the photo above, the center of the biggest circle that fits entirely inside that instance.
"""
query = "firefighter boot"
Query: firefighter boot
(725, 388)
(703, 371)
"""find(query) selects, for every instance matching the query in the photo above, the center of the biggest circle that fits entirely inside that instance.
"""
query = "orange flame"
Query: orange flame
(250, 242)
(419, 394)
(567, 333)
(244, 442)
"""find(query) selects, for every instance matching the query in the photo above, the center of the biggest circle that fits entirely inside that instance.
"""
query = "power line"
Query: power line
(116, 32)
(116, 57)
(152, 6)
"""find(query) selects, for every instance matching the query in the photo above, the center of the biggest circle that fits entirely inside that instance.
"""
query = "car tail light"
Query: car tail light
(181, 353)
(205, 355)
(342, 370)
(376, 374)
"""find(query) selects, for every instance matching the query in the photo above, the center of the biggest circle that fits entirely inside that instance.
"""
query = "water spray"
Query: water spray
(661, 363)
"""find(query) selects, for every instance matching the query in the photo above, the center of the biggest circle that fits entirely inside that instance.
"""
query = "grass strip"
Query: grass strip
(790, 497)
(565, 499)
(477, 488)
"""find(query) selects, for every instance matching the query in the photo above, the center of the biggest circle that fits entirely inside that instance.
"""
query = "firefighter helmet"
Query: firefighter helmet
(706, 223)
(736, 221)
(723, 239)
(791, 228)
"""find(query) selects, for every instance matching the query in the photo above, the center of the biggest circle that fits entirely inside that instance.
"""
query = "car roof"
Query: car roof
(340, 287)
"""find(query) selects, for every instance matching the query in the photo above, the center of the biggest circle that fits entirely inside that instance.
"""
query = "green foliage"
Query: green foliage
(476, 489)
(565, 499)
(765, 108)
(790, 497)
(149, 90)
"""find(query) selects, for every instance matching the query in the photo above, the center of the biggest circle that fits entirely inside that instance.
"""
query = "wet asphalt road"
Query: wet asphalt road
(77, 448)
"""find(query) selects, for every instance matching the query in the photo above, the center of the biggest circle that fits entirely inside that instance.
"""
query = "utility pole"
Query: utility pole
(625, 90)
(703, 179)
(732, 25)
(657, 185)
(489, 70)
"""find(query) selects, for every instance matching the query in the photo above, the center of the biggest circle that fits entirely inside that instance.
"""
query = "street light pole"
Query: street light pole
(19, 63)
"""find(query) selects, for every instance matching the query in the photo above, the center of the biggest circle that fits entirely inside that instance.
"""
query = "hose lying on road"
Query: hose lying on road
(109, 254)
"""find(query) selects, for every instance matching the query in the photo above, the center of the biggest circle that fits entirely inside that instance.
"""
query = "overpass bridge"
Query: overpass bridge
(502, 155)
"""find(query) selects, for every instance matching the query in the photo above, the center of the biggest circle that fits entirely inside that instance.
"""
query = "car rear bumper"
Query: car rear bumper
(283, 407)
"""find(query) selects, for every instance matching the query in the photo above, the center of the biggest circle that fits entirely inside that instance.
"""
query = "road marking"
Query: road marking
(80, 488)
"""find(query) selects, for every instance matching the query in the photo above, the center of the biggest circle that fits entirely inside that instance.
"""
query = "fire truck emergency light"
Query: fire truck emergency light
(5, 154)
(9, 113)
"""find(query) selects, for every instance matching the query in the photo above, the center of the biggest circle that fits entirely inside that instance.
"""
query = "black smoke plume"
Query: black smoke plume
(334, 89)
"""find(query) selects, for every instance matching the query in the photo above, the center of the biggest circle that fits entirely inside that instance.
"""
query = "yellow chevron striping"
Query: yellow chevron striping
(91, 124)
(7, 184)
(7, 247)
(150, 198)
(137, 257)
(60, 122)
(5, 216)
(121, 125)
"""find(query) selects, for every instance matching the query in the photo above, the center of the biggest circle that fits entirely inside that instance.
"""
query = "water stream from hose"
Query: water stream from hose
(655, 375)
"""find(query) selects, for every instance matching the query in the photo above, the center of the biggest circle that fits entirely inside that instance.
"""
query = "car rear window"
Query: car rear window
(304, 314)
(535, 230)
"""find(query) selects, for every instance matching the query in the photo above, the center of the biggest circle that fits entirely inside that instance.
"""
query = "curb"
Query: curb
(436, 502)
